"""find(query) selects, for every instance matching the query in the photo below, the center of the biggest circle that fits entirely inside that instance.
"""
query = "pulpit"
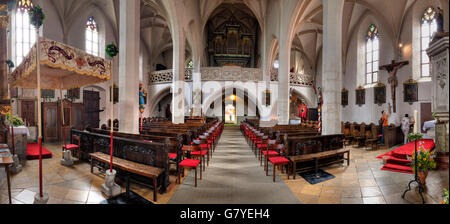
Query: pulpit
(439, 55)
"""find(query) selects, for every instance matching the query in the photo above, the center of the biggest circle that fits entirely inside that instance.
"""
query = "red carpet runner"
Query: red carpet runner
(33, 152)
(398, 161)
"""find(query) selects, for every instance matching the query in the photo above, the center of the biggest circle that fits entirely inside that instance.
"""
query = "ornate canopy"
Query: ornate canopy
(62, 67)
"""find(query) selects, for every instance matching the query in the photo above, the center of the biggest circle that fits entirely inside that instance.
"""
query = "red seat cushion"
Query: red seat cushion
(204, 145)
(271, 153)
(198, 153)
(209, 141)
(190, 162)
(278, 160)
(261, 145)
(172, 155)
(71, 146)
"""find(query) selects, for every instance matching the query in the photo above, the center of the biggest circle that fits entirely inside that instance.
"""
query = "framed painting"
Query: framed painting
(116, 94)
(73, 93)
(47, 93)
(379, 94)
(344, 97)
(410, 91)
(360, 96)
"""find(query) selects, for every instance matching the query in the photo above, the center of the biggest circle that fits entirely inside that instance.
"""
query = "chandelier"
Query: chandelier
(24, 5)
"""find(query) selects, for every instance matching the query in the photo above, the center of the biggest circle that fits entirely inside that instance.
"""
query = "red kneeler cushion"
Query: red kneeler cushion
(278, 160)
(190, 162)
(261, 145)
(204, 145)
(271, 153)
(71, 146)
(172, 155)
(198, 153)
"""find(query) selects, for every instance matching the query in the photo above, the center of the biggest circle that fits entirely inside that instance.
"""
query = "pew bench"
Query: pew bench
(129, 166)
(320, 155)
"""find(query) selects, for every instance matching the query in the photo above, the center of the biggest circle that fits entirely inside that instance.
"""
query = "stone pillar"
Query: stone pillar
(284, 59)
(179, 57)
(438, 52)
(332, 66)
(4, 19)
(129, 66)
(197, 87)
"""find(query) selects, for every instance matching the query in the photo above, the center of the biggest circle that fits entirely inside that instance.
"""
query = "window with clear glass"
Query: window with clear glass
(427, 29)
(372, 55)
(25, 35)
(92, 40)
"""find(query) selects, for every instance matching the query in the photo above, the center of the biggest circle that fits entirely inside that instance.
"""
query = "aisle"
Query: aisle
(234, 176)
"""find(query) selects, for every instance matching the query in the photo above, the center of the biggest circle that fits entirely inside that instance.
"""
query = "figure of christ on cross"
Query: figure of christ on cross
(392, 80)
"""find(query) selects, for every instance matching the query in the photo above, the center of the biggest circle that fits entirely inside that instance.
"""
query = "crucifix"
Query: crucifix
(392, 80)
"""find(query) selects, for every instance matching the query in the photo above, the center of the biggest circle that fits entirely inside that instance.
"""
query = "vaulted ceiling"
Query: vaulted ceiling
(156, 38)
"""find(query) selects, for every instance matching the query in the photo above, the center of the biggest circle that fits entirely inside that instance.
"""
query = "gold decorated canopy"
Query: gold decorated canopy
(62, 67)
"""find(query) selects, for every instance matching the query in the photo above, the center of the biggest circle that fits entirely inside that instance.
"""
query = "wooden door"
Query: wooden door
(78, 116)
(64, 128)
(50, 121)
(91, 108)
(28, 115)
(425, 114)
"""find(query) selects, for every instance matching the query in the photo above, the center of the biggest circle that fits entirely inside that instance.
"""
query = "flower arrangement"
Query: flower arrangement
(112, 50)
(14, 120)
(37, 16)
(414, 136)
(425, 160)
(445, 201)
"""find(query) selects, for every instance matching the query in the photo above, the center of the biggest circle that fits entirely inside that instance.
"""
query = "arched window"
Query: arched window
(372, 55)
(25, 35)
(427, 28)
(92, 40)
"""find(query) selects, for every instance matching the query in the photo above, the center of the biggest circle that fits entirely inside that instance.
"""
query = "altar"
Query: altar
(21, 135)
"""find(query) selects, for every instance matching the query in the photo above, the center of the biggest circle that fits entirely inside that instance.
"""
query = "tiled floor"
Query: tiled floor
(234, 176)
(75, 185)
(362, 182)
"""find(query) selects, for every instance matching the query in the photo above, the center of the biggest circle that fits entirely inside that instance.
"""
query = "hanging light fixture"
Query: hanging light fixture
(24, 5)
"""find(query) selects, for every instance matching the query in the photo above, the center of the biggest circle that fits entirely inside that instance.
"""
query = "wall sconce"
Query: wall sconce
(400, 46)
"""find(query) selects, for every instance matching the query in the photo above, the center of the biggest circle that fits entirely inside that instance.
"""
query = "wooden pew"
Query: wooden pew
(139, 154)
(323, 150)
(129, 166)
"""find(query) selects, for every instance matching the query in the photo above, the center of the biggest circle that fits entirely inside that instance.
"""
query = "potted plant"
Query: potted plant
(425, 161)
(14, 120)
(445, 201)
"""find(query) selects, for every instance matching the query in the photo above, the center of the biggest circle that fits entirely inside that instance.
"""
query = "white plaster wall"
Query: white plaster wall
(355, 69)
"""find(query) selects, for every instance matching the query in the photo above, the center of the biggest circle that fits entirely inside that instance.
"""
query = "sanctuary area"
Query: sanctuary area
(224, 102)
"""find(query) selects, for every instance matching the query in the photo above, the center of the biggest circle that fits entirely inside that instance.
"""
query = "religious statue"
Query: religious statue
(392, 80)
(142, 95)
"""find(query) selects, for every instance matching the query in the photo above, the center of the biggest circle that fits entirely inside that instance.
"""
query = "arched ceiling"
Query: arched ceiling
(155, 33)
(68, 10)
(236, 11)
(390, 14)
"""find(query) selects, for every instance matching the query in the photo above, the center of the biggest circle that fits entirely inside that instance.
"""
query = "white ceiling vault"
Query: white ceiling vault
(161, 19)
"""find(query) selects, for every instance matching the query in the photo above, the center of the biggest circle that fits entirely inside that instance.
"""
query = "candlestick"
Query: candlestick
(416, 125)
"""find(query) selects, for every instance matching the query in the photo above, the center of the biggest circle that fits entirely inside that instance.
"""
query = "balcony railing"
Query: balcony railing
(230, 74)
